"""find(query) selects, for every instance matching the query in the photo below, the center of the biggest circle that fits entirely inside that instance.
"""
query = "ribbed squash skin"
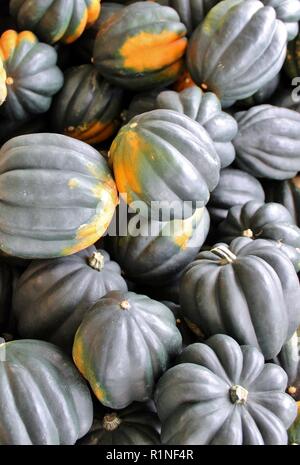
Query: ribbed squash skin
(136, 425)
(3, 89)
(52, 296)
(292, 61)
(164, 156)
(253, 295)
(288, 11)
(196, 407)
(57, 196)
(263, 95)
(270, 221)
(58, 20)
(205, 108)
(138, 334)
(43, 400)
(32, 77)
(287, 193)
(141, 46)
(141, 103)
(159, 257)
(238, 48)
(87, 106)
(235, 188)
(268, 142)
(191, 12)
(289, 359)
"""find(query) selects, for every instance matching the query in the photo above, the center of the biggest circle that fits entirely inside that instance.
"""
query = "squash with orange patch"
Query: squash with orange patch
(154, 252)
(141, 46)
(32, 77)
(167, 161)
(87, 107)
(59, 20)
(57, 196)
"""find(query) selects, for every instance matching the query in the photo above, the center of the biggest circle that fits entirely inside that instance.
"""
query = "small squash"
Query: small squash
(141, 46)
(32, 75)
(61, 20)
(57, 196)
(166, 160)
(248, 290)
(43, 399)
(123, 345)
(87, 107)
(221, 393)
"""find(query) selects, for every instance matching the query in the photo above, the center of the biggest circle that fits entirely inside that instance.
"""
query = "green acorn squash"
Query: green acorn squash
(221, 393)
(43, 399)
(57, 196)
(167, 161)
(141, 103)
(248, 290)
(52, 296)
(87, 107)
(287, 193)
(205, 108)
(235, 188)
(32, 75)
(289, 359)
(136, 425)
(53, 21)
(268, 142)
(123, 345)
(239, 47)
(141, 46)
(270, 221)
(156, 252)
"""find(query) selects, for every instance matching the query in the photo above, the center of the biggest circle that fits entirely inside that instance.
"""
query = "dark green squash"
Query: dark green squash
(52, 296)
(248, 290)
(87, 107)
(270, 221)
(235, 188)
(185, 328)
(167, 161)
(124, 344)
(57, 196)
(205, 108)
(268, 142)
(43, 399)
(136, 425)
(141, 46)
(238, 48)
(287, 193)
(141, 103)
(292, 61)
(59, 20)
(288, 11)
(221, 393)
(263, 95)
(32, 75)
(155, 252)
(289, 359)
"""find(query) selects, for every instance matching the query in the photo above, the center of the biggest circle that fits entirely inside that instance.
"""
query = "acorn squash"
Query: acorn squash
(221, 393)
(123, 345)
(289, 359)
(32, 75)
(248, 290)
(288, 11)
(59, 20)
(57, 196)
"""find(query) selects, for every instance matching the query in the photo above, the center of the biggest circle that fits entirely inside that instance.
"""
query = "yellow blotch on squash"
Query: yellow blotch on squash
(93, 11)
(69, 38)
(183, 229)
(10, 40)
(148, 51)
(93, 132)
(3, 89)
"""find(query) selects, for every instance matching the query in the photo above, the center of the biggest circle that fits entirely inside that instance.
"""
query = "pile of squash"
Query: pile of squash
(149, 222)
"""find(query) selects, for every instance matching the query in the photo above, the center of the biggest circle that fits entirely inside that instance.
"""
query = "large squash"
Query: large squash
(158, 251)
(235, 188)
(167, 161)
(270, 221)
(136, 425)
(238, 48)
(43, 399)
(32, 75)
(63, 20)
(205, 108)
(287, 193)
(141, 46)
(248, 290)
(221, 393)
(57, 196)
(87, 106)
(3, 89)
(124, 344)
(52, 296)
(268, 142)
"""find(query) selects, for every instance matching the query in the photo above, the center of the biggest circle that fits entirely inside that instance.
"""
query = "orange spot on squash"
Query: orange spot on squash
(93, 11)
(93, 132)
(10, 39)
(69, 38)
